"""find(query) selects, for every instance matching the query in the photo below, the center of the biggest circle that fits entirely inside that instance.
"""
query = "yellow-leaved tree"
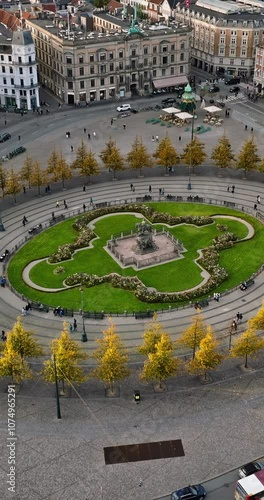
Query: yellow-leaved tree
(161, 364)
(22, 341)
(207, 356)
(222, 153)
(85, 162)
(67, 354)
(111, 358)
(194, 153)
(192, 336)
(248, 158)
(166, 154)
(257, 322)
(152, 335)
(247, 344)
(138, 157)
(112, 158)
(13, 365)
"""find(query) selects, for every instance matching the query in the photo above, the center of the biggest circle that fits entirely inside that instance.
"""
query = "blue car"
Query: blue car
(192, 492)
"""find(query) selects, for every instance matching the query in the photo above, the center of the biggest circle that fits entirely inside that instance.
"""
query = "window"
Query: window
(154, 73)
(103, 68)
(134, 77)
(154, 61)
(244, 41)
(92, 83)
(81, 60)
(4, 81)
(13, 91)
(2, 58)
(221, 60)
(70, 85)
(222, 39)
(121, 79)
(172, 58)
(102, 56)
(133, 64)
(145, 50)
(164, 48)
(181, 69)
(111, 55)
(172, 70)
(231, 61)
(31, 81)
(221, 51)
(68, 60)
(9, 58)
(12, 81)
(145, 62)
(31, 70)
(232, 52)
(20, 60)
(102, 81)
(244, 33)
(243, 62)
(81, 71)
(165, 60)
(133, 52)
(92, 58)
(111, 67)
(112, 80)
(21, 83)
(121, 53)
(11, 70)
(69, 73)
(243, 52)
(121, 65)
(233, 33)
(233, 41)
(5, 91)
(92, 70)
(182, 45)
(82, 84)
(3, 69)
(163, 72)
(182, 57)
(155, 50)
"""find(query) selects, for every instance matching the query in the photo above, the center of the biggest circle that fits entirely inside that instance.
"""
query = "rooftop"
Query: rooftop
(228, 10)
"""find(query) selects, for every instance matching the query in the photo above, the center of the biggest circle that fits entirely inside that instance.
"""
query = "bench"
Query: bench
(179, 198)
(144, 314)
(93, 315)
(56, 219)
(230, 204)
(36, 306)
(246, 284)
(202, 303)
(101, 205)
(169, 197)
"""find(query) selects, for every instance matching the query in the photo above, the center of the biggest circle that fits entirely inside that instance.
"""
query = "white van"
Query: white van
(123, 107)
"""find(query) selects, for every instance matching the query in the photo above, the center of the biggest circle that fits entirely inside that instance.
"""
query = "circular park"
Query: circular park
(139, 257)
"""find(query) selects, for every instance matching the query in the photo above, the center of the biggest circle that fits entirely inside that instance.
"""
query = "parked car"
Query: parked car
(168, 102)
(234, 90)
(250, 468)
(5, 137)
(123, 107)
(213, 89)
(232, 81)
(192, 492)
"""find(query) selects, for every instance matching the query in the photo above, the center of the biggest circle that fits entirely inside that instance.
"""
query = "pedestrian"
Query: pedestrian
(134, 189)
(157, 138)
(124, 126)
(84, 207)
(252, 130)
(74, 325)
(24, 222)
(179, 138)
(234, 324)
(24, 189)
(84, 130)
(258, 199)
(48, 187)
(71, 327)
(53, 215)
(3, 282)
(57, 204)
(233, 189)
(66, 205)
(226, 97)
(94, 134)
(19, 137)
(91, 201)
(112, 121)
(238, 316)
(160, 190)
(5, 123)
(150, 189)
(89, 136)
(228, 189)
(29, 306)
(71, 148)
(245, 127)
(3, 337)
(24, 312)
(255, 206)
(153, 138)
(131, 187)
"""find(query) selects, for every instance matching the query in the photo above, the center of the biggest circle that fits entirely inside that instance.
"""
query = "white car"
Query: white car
(123, 107)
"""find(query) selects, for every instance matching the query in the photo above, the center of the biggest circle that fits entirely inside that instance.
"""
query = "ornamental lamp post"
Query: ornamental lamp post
(189, 187)
(84, 336)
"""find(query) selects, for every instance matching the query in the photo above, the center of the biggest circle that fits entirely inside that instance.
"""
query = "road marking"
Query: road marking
(51, 125)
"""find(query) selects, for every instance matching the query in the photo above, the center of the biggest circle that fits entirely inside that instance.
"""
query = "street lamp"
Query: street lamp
(57, 388)
(189, 187)
(84, 336)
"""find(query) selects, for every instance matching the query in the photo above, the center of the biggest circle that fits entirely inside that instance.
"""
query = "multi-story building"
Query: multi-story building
(18, 76)
(225, 35)
(114, 60)
(259, 68)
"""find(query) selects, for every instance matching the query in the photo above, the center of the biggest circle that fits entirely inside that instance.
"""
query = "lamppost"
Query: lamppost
(84, 336)
(2, 228)
(57, 388)
(189, 187)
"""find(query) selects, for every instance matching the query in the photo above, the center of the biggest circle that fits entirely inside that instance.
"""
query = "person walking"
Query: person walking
(112, 121)
(150, 189)
(131, 187)
(179, 138)
(57, 204)
(258, 198)
(157, 138)
(84, 207)
(124, 126)
(252, 130)
(72, 149)
(19, 137)
(74, 325)
(84, 188)
(233, 189)
(91, 201)
(245, 127)
(255, 206)
(84, 130)
(3, 336)
(89, 136)
(228, 189)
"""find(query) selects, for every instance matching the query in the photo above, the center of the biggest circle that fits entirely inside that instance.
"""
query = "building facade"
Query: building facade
(113, 60)
(18, 79)
(259, 68)
(224, 36)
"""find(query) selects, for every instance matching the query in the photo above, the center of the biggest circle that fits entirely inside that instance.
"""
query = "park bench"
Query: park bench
(56, 219)
(93, 315)
(244, 286)
(169, 197)
(203, 303)
(101, 205)
(144, 314)
(230, 204)
(36, 306)
(179, 198)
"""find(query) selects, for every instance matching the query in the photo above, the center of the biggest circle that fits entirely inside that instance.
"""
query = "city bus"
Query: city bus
(250, 487)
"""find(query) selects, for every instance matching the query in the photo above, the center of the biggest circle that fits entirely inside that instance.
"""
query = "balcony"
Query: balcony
(25, 87)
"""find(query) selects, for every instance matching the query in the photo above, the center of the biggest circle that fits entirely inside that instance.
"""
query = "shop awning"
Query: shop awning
(173, 81)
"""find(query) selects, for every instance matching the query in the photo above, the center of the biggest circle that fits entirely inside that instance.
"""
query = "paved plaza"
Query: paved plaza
(219, 424)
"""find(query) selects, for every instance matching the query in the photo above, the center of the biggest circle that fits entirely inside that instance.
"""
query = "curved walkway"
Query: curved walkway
(38, 209)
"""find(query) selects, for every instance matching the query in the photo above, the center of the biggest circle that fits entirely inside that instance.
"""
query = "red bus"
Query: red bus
(250, 487)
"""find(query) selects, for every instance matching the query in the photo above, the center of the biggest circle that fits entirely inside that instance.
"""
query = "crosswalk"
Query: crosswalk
(232, 97)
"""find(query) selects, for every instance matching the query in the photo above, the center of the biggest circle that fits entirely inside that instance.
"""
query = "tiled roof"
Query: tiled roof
(9, 20)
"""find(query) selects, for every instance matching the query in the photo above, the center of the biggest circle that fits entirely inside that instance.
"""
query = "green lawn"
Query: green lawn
(240, 261)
